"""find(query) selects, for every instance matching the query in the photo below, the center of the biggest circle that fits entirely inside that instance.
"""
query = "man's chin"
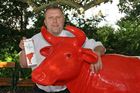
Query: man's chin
(56, 32)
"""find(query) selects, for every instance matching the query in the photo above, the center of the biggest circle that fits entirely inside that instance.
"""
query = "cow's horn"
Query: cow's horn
(48, 36)
(80, 35)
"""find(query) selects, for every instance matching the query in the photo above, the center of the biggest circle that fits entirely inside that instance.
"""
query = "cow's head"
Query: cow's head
(63, 59)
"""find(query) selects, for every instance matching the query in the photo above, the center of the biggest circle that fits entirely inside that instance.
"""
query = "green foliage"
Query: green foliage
(129, 26)
(8, 40)
(13, 21)
(123, 41)
(107, 37)
(6, 72)
(129, 32)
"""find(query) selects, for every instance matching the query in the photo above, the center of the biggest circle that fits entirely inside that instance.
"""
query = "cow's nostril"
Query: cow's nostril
(68, 55)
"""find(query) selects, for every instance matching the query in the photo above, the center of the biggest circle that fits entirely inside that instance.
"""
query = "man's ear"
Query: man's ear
(44, 23)
(46, 51)
(89, 56)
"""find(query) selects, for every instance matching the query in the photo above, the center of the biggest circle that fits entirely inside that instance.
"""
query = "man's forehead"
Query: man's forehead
(53, 11)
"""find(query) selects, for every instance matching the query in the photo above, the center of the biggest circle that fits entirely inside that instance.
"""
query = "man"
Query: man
(54, 22)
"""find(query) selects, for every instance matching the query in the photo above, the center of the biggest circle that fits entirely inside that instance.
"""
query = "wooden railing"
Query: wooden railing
(14, 80)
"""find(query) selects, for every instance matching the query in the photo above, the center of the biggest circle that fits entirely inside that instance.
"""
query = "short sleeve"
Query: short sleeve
(91, 43)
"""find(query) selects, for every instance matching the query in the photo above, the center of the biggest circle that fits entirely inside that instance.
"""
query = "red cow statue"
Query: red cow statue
(67, 63)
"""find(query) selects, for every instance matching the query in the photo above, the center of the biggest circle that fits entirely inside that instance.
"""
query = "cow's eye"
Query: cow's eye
(68, 55)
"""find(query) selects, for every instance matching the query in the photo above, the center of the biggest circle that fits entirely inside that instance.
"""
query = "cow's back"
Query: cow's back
(120, 74)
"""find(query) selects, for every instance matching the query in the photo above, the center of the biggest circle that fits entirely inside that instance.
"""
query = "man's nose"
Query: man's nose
(54, 20)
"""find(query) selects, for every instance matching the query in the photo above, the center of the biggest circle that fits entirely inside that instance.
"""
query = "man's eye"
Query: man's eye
(50, 17)
(59, 17)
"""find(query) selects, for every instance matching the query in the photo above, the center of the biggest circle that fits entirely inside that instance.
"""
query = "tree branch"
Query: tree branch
(61, 2)
(70, 3)
(94, 3)
(29, 2)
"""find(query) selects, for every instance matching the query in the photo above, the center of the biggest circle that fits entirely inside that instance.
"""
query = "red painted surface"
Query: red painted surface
(120, 74)
(67, 63)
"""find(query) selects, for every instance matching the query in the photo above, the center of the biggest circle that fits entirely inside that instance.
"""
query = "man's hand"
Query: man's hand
(97, 66)
(21, 44)
(100, 50)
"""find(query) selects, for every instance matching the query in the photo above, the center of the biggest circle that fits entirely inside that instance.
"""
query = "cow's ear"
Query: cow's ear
(46, 51)
(89, 56)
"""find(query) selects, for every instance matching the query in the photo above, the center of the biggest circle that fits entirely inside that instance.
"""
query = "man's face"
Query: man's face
(54, 21)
